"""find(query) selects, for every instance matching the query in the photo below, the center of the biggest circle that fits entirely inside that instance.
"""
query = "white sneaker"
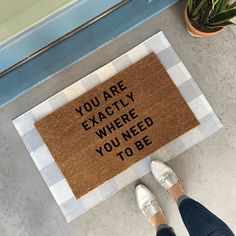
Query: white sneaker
(147, 201)
(163, 174)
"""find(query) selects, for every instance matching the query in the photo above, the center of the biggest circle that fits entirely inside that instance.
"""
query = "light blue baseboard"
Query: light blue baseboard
(78, 46)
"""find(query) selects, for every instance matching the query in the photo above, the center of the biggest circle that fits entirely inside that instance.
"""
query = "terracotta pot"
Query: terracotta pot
(193, 31)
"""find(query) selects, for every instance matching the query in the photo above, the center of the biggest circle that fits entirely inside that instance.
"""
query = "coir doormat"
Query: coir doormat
(72, 207)
(121, 121)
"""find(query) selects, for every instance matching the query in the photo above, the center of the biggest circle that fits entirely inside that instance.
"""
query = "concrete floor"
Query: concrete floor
(208, 170)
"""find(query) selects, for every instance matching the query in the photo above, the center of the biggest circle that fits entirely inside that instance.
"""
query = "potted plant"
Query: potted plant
(208, 17)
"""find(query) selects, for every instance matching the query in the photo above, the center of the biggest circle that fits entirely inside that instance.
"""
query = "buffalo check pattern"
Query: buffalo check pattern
(56, 182)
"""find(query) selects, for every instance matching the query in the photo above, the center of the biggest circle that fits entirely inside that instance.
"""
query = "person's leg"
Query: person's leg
(149, 206)
(159, 223)
(198, 220)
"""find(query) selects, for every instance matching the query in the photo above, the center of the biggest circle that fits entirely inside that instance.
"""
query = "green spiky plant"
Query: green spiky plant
(211, 15)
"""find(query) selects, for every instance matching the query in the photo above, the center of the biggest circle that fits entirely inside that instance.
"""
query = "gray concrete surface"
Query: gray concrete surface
(208, 170)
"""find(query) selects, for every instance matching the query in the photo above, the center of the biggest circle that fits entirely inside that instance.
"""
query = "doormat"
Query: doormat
(48, 168)
(114, 125)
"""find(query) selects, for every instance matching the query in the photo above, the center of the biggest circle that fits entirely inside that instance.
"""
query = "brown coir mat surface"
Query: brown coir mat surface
(116, 124)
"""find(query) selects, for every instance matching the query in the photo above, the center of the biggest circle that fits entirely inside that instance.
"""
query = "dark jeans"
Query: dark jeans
(198, 220)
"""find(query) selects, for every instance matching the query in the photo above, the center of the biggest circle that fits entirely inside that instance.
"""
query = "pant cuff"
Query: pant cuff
(163, 226)
(180, 199)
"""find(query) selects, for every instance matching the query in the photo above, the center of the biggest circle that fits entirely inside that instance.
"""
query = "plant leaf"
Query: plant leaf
(214, 2)
(217, 7)
(190, 7)
(223, 5)
(196, 10)
(233, 5)
(207, 14)
(215, 25)
(223, 16)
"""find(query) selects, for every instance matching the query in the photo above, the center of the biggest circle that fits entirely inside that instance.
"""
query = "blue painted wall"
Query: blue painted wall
(78, 46)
